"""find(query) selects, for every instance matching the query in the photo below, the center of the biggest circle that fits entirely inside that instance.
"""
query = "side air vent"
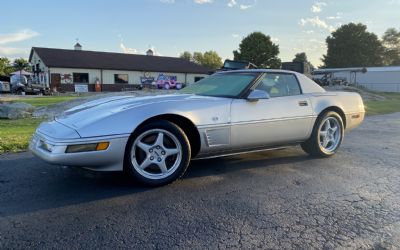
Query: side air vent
(218, 137)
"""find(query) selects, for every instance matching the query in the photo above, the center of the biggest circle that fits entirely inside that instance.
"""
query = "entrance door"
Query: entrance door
(55, 82)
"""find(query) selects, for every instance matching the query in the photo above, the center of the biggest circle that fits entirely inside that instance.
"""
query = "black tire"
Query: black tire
(185, 154)
(313, 147)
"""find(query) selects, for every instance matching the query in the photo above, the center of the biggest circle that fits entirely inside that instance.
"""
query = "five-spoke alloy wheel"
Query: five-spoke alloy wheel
(157, 154)
(326, 137)
(329, 134)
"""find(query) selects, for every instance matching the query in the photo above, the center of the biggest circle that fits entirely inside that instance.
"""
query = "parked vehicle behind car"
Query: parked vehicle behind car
(4, 84)
(168, 82)
(20, 84)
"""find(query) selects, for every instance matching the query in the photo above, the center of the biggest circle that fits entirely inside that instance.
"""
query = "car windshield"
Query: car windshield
(221, 85)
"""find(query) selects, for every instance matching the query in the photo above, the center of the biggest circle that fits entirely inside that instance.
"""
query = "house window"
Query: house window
(121, 78)
(81, 77)
(197, 78)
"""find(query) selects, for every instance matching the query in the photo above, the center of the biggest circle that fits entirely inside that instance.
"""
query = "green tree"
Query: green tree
(351, 45)
(209, 59)
(198, 58)
(186, 55)
(5, 66)
(258, 48)
(391, 43)
(21, 64)
(300, 57)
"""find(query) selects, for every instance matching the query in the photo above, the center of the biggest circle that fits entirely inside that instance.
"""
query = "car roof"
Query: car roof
(259, 71)
(307, 85)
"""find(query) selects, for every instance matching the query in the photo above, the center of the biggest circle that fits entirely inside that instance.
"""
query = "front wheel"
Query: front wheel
(326, 137)
(157, 154)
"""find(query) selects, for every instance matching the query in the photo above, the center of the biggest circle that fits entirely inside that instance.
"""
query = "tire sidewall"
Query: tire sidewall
(186, 153)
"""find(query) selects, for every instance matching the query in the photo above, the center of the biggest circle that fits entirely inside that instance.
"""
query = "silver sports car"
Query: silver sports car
(154, 138)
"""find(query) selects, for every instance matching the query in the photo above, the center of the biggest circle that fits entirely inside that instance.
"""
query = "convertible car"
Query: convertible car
(154, 138)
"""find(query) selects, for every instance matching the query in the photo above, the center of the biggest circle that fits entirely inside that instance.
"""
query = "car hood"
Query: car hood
(118, 103)
(112, 111)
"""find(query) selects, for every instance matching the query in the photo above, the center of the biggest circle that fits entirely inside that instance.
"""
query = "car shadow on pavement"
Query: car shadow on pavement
(27, 184)
(231, 164)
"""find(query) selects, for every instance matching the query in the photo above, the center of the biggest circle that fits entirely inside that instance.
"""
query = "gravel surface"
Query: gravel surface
(278, 200)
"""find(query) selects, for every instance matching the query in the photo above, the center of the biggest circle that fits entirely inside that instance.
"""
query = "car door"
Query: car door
(283, 118)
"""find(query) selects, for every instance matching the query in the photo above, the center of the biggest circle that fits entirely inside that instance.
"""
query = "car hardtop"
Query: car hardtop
(281, 71)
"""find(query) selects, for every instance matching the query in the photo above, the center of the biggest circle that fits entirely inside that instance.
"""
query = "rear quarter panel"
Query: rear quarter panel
(350, 103)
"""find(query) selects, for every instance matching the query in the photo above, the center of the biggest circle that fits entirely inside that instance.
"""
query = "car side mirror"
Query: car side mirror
(256, 95)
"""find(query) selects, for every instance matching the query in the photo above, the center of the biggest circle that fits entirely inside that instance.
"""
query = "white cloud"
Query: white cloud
(336, 17)
(309, 31)
(232, 3)
(168, 1)
(13, 52)
(203, 1)
(317, 7)
(245, 7)
(127, 50)
(235, 35)
(274, 39)
(18, 36)
(9, 51)
(316, 41)
(241, 4)
(316, 22)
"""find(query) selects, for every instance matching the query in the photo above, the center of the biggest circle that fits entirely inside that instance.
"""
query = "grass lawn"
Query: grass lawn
(45, 101)
(15, 134)
(390, 105)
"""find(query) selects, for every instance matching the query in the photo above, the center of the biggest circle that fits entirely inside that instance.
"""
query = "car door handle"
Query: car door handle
(303, 103)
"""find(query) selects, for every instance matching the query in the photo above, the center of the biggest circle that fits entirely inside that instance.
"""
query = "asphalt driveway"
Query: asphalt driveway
(281, 199)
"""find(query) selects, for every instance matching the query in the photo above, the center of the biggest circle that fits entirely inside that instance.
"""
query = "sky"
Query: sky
(172, 26)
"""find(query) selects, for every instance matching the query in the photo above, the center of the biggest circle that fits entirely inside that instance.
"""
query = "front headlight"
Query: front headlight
(87, 147)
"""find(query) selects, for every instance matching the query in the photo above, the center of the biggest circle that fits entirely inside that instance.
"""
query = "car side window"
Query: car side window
(277, 85)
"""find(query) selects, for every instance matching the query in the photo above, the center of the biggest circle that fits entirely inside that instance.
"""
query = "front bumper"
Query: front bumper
(111, 159)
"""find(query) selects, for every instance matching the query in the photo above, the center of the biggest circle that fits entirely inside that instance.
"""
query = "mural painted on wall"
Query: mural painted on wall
(66, 78)
(40, 78)
(146, 80)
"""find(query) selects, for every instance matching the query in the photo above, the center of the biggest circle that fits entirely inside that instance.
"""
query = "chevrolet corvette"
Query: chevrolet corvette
(154, 138)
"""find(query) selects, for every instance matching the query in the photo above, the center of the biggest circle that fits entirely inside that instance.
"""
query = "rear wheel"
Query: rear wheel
(326, 137)
(157, 154)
